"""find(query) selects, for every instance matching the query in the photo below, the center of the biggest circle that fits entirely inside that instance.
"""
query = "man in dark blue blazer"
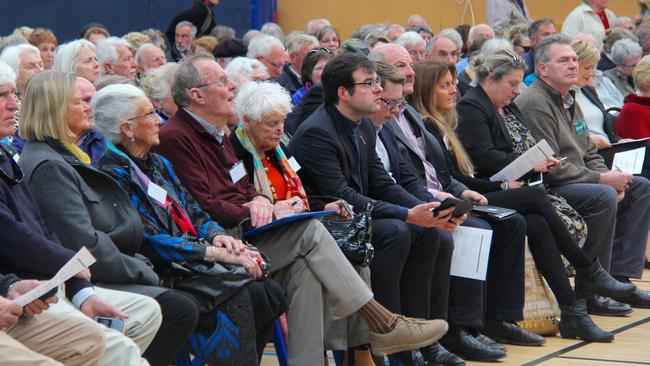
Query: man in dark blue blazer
(335, 147)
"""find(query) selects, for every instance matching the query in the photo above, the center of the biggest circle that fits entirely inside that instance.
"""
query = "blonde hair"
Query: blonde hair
(427, 76)
(588, 55)
(207, 42)
(45, 104)
(136, 39)
(641, 74)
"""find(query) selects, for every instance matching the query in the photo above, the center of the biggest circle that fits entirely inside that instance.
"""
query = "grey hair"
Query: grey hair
(223, 32)
(187, 76)
(620, 21)
(313, 22)
(113, 79)
(541, 50)
(297, 42)
(107, 51)
(66, 54)
(12, 40)
(156, 83)
(112, 105)
(414, 17)
(624, 49)
(262, 44)
(534, 26)
(248, 36)
(495, 44)
(185, 23)
(272, 29)
(7, 75)
(245, 67)
(453, 35)
(11, 55)
(472, 35)
(257, 100)
(155, 38)
(497, 63)
(140, 51)
(409, 39)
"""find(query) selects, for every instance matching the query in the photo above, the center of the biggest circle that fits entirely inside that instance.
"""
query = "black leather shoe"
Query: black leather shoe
(489, 341)
(576, 323)
(458, 341)
(604, 306)
(511, 333)
(436, 354)
(410, 358)
(639, 299)
(594, 280)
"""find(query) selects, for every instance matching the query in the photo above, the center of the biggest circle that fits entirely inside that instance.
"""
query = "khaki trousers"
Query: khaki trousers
(141, 326)
(311, 268)
(52, 339)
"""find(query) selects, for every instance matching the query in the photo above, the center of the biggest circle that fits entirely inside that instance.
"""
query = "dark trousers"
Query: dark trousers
(406, 259)
(501, 296)
(548, 238)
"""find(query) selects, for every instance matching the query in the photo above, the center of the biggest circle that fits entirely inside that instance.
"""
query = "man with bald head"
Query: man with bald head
(477, 31)
(149, 56)
(93, 142)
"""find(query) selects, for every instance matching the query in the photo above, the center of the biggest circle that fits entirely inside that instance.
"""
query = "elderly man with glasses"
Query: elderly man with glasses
(271, 52)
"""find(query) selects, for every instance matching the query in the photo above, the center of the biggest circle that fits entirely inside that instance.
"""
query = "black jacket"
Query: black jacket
(324, 150)
(199, 14)
(435, 154)
(309, 103)
(400, 169)
(289, 80)
(483, 133)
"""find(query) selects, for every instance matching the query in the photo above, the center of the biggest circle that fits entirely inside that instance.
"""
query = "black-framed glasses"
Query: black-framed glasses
(392, 104)
(17, 172)
(222, 83)
(369, 84)
(148, 115)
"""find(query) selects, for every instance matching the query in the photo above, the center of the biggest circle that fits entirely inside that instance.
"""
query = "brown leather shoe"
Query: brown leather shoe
(408, 334)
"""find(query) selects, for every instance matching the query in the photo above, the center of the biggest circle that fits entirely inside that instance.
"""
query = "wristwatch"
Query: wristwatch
(504, 185)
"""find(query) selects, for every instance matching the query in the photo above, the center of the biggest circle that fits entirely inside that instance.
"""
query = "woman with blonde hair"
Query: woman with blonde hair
(434, 97)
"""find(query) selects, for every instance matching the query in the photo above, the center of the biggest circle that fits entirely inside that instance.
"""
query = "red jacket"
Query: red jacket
(634, 120)
(203, 165)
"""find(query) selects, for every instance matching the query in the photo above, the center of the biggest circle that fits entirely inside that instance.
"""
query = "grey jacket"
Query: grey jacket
(622, 82)
(502, 14)
(435, 154)
(544, 114)
(86, 207)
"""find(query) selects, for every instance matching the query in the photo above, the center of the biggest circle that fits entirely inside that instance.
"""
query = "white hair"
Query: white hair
(157, 83)
(140, 51)
(7, 75)
(262, 44)
(107, 51)
(409, 39)
(452, 35)
(11, 55)
(413, 18)
(112, 105)
(296, 42)
(257, 100)
(66, 54)
(495, 44)
(314, 22)
(624, 49)
(471, 36)
(185, 23)
(274, 30)
(245, 67)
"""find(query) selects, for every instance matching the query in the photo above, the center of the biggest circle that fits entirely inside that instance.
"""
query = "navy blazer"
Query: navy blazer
(400, 169)
(435, 154)
(322, 147)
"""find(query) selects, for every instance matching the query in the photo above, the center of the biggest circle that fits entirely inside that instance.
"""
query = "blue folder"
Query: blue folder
(286, 220)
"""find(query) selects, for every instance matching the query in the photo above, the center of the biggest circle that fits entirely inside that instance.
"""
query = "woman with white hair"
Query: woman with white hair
(79, 57)
(177, 232)
(157, 85)
(251, 69)
(626, 53)
(26, 62)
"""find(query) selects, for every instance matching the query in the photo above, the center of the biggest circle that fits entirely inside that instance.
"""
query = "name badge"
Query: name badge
(294, 164)
(157, 193)
(237, 172)
(580, 127)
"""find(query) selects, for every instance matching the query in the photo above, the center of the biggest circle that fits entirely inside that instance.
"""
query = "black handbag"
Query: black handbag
(353, 236)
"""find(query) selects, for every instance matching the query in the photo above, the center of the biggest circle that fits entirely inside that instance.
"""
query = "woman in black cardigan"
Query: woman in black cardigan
(434, 97)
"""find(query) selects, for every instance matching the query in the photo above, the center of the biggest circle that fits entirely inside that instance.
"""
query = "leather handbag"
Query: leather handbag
(353, 236)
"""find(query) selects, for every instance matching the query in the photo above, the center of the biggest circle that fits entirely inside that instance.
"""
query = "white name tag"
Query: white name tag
(157, 192)
(294, 164)
(237, 172)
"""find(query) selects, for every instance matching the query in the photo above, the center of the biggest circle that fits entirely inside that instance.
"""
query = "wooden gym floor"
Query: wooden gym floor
(631, 346)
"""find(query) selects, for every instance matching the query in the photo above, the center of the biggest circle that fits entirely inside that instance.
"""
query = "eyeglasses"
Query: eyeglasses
(222, 83)
(396, 103)
(369, 84)
(277, 66)
(148, 115)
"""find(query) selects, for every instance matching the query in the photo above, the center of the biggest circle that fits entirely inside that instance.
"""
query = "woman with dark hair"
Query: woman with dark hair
(329, 38)
(434, 97)
(312, 68)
